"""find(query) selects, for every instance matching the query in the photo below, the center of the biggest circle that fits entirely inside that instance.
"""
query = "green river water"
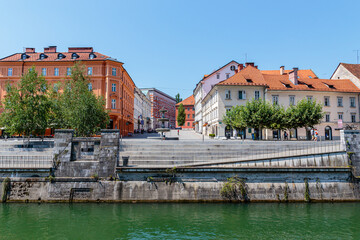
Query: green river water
(180, 221)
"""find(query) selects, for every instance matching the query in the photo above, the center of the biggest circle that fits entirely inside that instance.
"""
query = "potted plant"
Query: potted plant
(211, 135)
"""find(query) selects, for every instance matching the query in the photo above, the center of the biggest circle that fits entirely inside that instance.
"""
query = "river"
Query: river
(180, 221)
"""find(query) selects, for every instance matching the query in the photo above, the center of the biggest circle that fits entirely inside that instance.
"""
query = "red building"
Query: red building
(108, 77)
(160, 100)
(188, 104)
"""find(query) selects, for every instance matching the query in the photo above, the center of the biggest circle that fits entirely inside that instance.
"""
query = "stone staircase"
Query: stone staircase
(230, 153)
(15, 153)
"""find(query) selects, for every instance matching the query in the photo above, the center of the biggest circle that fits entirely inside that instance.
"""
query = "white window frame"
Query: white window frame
(257, 94)
(113, 103)
(90, 88)
(327, 117)
(243, 95)
(90, 71)
(353, 117)
(227, 75)
(56, 71)
(227, 94)
(326, 101)
(352, 102)
(68, 71)
(113, 71)
(341, 116)
(10, 72)
(113, 87)
(340, 103)
(291, 100)
(43, 71)
(275, 99)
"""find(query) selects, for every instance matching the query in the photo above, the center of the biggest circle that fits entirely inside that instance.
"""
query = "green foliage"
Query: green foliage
(181, 115)
(50, 178)
(261, 114)
(177, 98)
(5, 189)
(27, 106)
(77, 107)
(286, 197)
(95, 176)
(307, 191)
(307, 113)
(232, 187)
(211, 135)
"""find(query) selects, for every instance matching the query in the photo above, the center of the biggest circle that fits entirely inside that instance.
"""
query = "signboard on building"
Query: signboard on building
(340, 123)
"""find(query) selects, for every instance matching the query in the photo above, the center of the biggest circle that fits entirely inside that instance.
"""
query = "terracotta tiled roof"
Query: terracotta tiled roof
(250, 76)
(353, 68)
(303, 73)
(188, 101)
(35, 57)
(282, 82)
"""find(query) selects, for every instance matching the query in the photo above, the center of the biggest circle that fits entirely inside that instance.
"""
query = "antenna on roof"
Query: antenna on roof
(245, 57)
(357, 56)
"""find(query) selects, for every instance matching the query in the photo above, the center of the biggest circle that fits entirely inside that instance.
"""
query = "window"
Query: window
(188, 124)
(56, 71)
(309, 98)
(340, 116)
(74, 56)
(43, 71)
(228, 109)
(353, 117)
(24, 56)
(292, 100)
(242, 95)
(90, 87)
(90, 71)
(218, 76)
(340, 102)
(257, 95)
(352, 102)
(275, 99)
(227, 94)
(188, 116)
(113, 71)
(68, 71)
(61, 56)
(193, 115)
(227, 75)
(92, 56)
(113, 103)
(326, 101)
(327, 117)
(10, 72)
(42, 56)
(113, 87)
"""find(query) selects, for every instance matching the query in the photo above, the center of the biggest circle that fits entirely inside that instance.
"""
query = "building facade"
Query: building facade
(108, 77)
(158, 101)
(142, 111)
(188, 104)
(340, 100)
(205, 85)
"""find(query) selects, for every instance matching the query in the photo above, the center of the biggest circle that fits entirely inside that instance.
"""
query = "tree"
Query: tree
(181, 115)
(307, 113)
(177, 98)
(257, 114)
(78, 107)
(235, 117)
(27, 106)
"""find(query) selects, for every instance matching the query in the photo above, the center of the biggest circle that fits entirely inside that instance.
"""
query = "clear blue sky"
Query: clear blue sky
(171, 44)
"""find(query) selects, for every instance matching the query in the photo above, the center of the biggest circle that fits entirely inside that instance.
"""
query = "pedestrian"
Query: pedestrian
(312, 134)
(285, 135)
(316, 135)
(178, 132)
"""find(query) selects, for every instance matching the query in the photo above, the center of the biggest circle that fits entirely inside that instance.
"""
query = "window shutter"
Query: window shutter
(244, 95)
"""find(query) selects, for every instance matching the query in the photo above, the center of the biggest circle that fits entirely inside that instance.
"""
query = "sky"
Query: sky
(171, 44)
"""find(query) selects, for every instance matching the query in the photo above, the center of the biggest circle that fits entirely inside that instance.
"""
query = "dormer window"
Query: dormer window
(61, 56)
(249, 80)
(24, 56)
(74, 56)
(92, 56)
(286, 85)
(42, 56)
(329, 85)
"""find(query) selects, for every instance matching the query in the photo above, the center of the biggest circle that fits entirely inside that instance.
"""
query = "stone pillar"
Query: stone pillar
(62, 144)
(350, 140)
(109, 152)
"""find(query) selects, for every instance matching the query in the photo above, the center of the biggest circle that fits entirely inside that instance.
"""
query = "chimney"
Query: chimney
(256, 67)
(81, 49)
(293, 76)
(282, 70)
(29, 50)
(249, 64)
(50, 49)
(240, 67)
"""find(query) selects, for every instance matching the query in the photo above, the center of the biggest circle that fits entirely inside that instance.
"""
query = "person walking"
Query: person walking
(285, 135)
(316, 134)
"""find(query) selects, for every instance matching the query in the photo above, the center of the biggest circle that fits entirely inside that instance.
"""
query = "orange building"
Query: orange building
(107, 75)
(188, 104)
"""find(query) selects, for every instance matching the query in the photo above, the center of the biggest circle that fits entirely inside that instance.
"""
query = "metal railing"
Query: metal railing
(26, 162)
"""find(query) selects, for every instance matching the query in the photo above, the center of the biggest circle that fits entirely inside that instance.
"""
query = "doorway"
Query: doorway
(328, 133)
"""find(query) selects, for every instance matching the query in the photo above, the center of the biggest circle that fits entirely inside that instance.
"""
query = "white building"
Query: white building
(205, 85)
(142, 111)
(284, 87)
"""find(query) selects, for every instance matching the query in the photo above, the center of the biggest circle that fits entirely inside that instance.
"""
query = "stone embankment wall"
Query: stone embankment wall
(79, 177)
